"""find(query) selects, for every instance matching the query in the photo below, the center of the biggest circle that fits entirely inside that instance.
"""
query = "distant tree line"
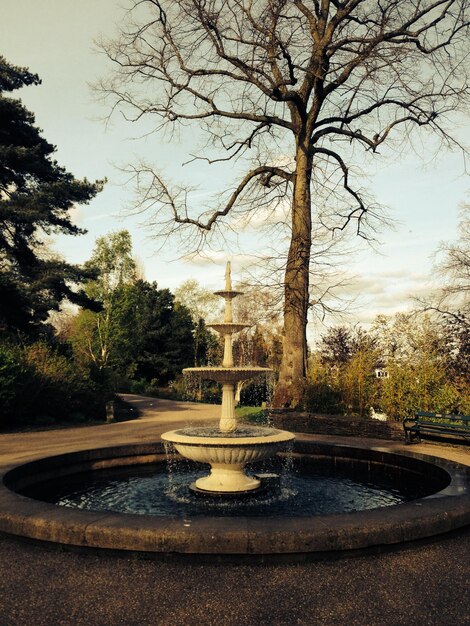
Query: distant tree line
(426, 361)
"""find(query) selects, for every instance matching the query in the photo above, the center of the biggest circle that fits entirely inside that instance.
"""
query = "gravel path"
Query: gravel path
(421, 585)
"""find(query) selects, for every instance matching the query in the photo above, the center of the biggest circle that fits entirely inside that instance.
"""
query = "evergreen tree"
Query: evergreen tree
(336, 347)
(165, 334)
(36, 195)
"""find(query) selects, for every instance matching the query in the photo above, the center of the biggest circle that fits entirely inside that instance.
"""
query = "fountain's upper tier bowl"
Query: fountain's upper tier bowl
(228, 293)
(228, 328)
(227, 374)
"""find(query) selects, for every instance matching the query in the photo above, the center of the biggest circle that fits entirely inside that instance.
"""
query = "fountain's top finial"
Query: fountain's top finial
(228, 279)
(228, 293)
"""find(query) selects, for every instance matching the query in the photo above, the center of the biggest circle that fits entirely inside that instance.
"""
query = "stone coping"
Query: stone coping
(255, 537)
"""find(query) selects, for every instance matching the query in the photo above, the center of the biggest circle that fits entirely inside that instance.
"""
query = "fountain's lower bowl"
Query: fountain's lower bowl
(227, 454)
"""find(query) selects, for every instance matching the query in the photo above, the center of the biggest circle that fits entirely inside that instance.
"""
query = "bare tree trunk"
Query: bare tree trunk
(290, 387)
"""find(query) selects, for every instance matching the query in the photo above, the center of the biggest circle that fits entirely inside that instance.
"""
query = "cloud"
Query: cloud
(79, 215)
(96, 218)
(263, 216)
(386, 293)
(205, 258)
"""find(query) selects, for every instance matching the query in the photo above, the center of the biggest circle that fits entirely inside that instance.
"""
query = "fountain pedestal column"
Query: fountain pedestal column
(228, 421)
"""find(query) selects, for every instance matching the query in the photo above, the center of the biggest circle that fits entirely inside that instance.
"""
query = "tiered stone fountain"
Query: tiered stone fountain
(228, 448)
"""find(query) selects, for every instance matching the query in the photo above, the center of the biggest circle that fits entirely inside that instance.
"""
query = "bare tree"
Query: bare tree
(454, 268)
(451, 300)
(284, 91)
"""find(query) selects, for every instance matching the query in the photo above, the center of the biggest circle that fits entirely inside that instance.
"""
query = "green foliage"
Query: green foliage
(101, 337)
(322, 392)
(255, 392)
(142, 338)
(421, 374)
(359, 383)
(39, 382)
(36, 195)
(164, 342)
(113, 265)
(421, 386)
(12, 372)
(161, 339)
(207, 347)
(342, 374)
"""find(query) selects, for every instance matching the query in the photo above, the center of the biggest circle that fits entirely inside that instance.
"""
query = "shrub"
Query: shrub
(12, 374)
(322, 393)
(255, 392)
(38, 384)
(322, 397)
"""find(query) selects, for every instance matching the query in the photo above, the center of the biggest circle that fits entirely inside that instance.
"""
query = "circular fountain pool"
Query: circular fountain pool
(297, 534)
(305, 487)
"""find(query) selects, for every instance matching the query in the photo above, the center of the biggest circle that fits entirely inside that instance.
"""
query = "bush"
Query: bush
(422, 387)
(12, 375)
(321, 397)
(40, 385)
(322, 393)
(256, 392)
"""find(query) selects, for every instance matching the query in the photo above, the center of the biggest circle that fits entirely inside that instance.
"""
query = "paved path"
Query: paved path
(156, 416)
(422, 585)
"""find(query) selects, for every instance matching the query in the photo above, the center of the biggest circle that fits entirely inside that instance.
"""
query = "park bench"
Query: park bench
(424, 423)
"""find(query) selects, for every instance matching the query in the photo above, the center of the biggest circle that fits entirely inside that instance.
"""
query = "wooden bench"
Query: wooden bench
(424, 423)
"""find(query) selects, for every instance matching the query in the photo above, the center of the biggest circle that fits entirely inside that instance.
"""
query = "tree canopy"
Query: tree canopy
(288, 90)
(36, 195)
(141, 333)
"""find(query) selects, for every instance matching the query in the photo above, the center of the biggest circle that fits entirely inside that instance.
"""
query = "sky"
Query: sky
(57, 40)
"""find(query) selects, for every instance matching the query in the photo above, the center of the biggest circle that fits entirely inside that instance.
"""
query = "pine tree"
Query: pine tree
(36, 195)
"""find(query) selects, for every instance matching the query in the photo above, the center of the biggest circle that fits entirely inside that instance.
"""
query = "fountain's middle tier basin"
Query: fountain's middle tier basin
(229, 375)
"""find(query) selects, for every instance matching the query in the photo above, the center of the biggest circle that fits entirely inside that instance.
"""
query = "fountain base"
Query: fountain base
(267, 483)
(227, 478)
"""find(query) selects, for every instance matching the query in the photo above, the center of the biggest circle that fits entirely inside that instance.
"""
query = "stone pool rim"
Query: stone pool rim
(253, 537)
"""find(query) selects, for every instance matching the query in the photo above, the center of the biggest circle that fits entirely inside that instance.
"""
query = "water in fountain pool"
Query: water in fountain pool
(306, 489)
